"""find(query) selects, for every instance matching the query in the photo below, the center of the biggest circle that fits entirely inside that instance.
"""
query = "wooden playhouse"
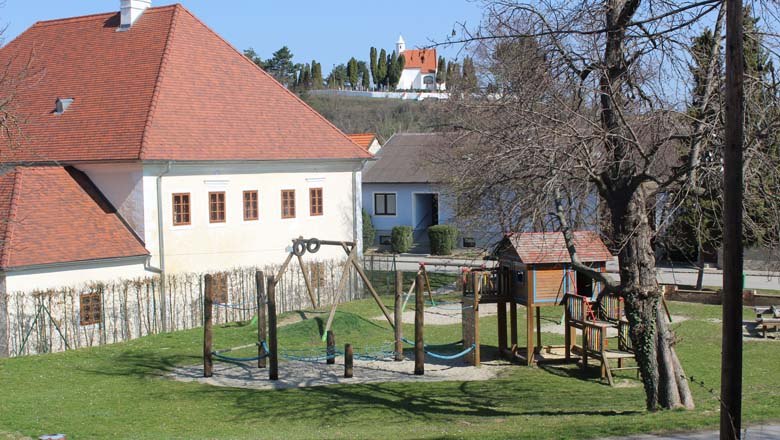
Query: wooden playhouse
(535, 271)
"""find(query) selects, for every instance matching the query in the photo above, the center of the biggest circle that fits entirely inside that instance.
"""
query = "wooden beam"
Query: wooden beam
(283, 269)
(398, 315)
(261, 319)
(308, 283)
(419, 325)
(208, 362)
(337, 296)
(370, 287)
(273, 343)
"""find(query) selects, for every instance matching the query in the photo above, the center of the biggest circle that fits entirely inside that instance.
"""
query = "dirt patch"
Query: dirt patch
(297, 374)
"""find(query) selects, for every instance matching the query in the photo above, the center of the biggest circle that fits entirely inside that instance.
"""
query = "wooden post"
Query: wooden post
(261, 321)
(733, 265)
(306, 280)
(530, 349)
(567, 338)
(273, 346)
(503, 292)
(538, 330)
(208, 362)
(475, 310)
(512, 322)
(330, 349)
(5, 346)
(348, 361)
(419, 321)
(398, 316)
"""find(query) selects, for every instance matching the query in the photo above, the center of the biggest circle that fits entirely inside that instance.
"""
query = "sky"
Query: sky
(329, 31)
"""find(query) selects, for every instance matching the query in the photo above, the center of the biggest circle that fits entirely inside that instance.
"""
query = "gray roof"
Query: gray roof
(405, 158)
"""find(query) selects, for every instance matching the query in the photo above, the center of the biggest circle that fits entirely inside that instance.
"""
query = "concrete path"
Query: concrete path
(765, 432)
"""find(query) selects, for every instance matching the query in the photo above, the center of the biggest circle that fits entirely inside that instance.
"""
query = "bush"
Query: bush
(369, 233)
(443, 238)
(402, 239)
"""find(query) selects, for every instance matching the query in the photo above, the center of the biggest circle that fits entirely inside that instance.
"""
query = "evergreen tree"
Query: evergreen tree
(366, 80)
(307, 77)
(469, 74)
(281, 66)
(352, 73)
(252, 55)
(381, 69)
(316, 75)
(372, 64)
(441, 71)
(392, 70)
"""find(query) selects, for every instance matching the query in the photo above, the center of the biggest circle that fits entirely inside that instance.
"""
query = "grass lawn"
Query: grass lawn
(120, 391)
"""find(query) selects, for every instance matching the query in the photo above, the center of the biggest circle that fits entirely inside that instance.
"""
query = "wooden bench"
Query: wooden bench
(595, 345)
(765, 323)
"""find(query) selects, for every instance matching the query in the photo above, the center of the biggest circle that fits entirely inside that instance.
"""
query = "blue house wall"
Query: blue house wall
(408, 212)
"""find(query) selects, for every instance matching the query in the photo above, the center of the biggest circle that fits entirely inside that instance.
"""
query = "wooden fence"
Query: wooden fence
(105, 313)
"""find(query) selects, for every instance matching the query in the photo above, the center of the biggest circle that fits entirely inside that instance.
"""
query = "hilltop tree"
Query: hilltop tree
(281, 66)
(441, 71)
(252, 55)
(469, 75)
(373, 65)
(316, 75)
(366, 80)
(338, 76)
(352, 73)
(393, 71)
(306, 76)
(381, 69)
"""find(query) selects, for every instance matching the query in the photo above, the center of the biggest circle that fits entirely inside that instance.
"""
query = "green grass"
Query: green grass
(120, 391)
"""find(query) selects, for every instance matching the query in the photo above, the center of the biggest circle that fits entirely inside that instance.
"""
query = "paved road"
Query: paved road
(766, 432)
(666, 275)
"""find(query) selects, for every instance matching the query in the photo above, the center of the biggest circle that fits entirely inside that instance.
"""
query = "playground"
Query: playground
(92, 392)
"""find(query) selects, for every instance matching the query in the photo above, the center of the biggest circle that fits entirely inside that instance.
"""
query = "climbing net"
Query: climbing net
(446, 357)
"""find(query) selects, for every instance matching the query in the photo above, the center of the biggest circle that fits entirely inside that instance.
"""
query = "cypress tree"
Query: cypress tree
(352, 73)
(316, 75)
(469, 73)
(441, 71)
(306, 77)
(381, 69)
(373, 66)
(366, 80)
(393, 74)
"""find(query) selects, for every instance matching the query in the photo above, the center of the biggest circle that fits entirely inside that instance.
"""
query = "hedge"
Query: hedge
(402, 239)
(443, 238)
(369, 233)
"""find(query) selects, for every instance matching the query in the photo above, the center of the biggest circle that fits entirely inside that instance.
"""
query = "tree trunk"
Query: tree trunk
(664, 380)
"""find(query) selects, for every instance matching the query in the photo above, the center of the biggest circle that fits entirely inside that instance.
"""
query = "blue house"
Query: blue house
(400, 190)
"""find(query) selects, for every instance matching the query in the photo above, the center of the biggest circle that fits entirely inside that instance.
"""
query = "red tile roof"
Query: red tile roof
(168, 88)
(55, 215)
(550, 247)
(423, 59)
(363, 139)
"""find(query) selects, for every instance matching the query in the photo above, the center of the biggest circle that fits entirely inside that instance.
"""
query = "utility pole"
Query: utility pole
(731, 358)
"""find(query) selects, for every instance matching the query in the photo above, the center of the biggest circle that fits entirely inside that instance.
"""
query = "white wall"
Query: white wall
(204, 246)
(122, 184)
(410, 78)
(75, 274)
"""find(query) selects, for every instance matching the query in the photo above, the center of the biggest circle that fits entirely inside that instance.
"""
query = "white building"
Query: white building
(420, 67)
(151, 145)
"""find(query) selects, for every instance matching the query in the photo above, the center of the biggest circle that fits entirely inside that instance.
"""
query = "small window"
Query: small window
(315, 201)
(384, 204)
(250, 205)
(90, 309)
(216, 207)
(469, 242)
(385, 240)
(181, 209)
(288, 203)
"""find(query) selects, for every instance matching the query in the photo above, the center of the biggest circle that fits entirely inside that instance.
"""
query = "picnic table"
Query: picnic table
(766, 317)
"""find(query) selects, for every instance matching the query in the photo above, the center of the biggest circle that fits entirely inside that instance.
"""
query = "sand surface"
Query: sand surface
(296, 374)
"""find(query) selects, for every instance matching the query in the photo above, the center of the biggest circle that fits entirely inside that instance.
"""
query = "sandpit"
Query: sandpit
(297, 374)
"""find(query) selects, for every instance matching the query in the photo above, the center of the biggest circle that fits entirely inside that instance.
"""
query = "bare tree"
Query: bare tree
(582, 119)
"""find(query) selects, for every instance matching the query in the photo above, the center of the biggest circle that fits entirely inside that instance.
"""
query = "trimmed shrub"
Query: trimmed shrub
(402, 239)
(369, 233)
(443, 238)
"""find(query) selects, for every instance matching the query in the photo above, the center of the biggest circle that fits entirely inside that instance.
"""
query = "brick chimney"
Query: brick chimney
(131, 10)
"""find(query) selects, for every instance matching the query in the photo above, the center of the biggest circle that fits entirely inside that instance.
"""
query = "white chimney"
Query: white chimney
(131, 10)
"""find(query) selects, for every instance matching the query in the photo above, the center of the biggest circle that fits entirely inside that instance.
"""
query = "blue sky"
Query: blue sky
(329, 31)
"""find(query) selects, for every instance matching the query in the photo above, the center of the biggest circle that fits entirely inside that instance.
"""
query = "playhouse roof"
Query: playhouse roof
(550, 247)
(55, 215)
(168, 88)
